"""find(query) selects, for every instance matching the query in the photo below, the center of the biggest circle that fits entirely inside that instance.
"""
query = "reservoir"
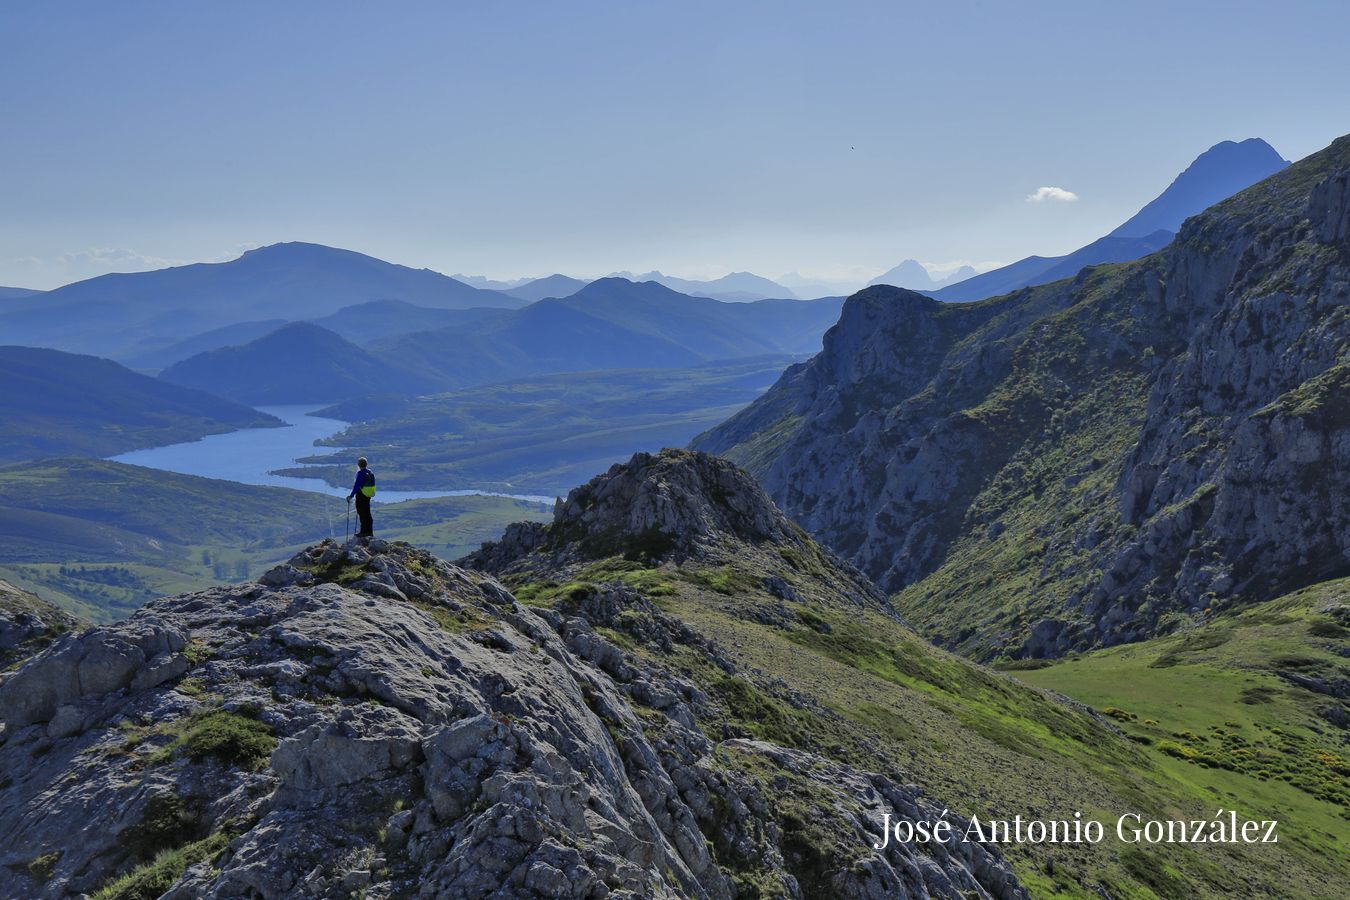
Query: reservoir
(250, 455)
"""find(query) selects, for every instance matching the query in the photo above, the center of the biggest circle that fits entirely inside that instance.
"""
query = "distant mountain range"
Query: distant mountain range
(914, 275)
(153, 320)
(556, 286)
(58, 403)
(609, 324)
(738, 287)
(482, 282)
(1218, 173)
(529, 289)
(130, 315)
(1034, 270)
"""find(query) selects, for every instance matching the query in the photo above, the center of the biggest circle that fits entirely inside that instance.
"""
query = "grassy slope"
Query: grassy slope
(1215, 712)
(884, 699)
(126, 534)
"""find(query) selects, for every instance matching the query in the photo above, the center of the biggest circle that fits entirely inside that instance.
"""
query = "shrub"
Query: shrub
(759, 714)
(231, 737)
(43, 866)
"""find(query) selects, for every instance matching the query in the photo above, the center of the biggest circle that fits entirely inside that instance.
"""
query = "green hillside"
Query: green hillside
(297, 363)
(1250, 707)
(101, 538)
(58, 403)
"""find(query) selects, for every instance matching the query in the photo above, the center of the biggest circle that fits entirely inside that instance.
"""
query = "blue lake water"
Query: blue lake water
(249, 456)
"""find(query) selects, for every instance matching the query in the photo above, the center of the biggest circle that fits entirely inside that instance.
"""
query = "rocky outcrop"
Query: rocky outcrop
(1095, 460)
(27, 624)
(674, 506)
(377, 722)
(671, 505)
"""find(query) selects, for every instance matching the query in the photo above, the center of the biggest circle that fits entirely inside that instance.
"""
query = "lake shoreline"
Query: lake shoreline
(259, 456)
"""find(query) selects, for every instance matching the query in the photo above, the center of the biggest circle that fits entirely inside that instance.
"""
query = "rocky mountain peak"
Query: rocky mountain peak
(1219, 172)
(675, 504)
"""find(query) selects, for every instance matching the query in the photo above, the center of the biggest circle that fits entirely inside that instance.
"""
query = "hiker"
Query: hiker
(363, 490)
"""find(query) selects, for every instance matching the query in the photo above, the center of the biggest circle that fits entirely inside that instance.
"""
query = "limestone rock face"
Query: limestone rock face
(27, 624)
(1121, 450)
(676, 501)
(377, 721)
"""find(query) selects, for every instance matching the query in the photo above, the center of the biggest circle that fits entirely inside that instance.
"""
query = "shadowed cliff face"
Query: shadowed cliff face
(1092, 461)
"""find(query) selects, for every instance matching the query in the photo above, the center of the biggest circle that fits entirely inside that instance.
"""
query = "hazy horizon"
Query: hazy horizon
(522, 141)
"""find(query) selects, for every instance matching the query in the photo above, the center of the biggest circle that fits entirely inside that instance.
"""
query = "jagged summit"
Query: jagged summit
(675, 504)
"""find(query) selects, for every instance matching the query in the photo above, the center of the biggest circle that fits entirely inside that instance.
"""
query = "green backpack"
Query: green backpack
(368, 489)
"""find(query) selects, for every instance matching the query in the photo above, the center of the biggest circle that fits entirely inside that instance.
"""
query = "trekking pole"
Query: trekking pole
(328, 514)
(347, 538)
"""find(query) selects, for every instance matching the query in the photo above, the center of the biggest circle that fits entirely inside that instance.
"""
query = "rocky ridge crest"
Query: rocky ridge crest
(377, 721)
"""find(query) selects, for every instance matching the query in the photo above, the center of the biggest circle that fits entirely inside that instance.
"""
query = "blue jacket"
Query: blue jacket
(361, 476)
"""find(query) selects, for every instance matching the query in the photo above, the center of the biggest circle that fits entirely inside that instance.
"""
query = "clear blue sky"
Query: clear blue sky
(530, 137)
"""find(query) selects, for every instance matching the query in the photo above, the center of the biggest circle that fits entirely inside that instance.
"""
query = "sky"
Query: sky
(524, 138)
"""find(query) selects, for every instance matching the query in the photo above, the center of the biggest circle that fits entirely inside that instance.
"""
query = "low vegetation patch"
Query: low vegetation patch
(727, 580)
(1202, 639)
(42, 867)
(231, 737)
(756, 713)
(154, 879)
(1280, 754)
(1148, 869)
(454, 621)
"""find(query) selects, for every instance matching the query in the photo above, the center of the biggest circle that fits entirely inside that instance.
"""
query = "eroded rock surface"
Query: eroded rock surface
(27, 624)
(377, 722)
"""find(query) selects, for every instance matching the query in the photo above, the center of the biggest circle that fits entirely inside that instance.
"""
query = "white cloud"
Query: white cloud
(1056, 194)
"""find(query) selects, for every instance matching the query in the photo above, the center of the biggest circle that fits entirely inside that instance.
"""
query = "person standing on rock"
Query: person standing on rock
(363, 490)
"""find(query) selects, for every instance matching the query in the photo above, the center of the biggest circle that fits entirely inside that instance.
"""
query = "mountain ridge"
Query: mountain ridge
(948, 427)
(57, 404)
(1219, 172)
(293, 280)
(717, 709)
